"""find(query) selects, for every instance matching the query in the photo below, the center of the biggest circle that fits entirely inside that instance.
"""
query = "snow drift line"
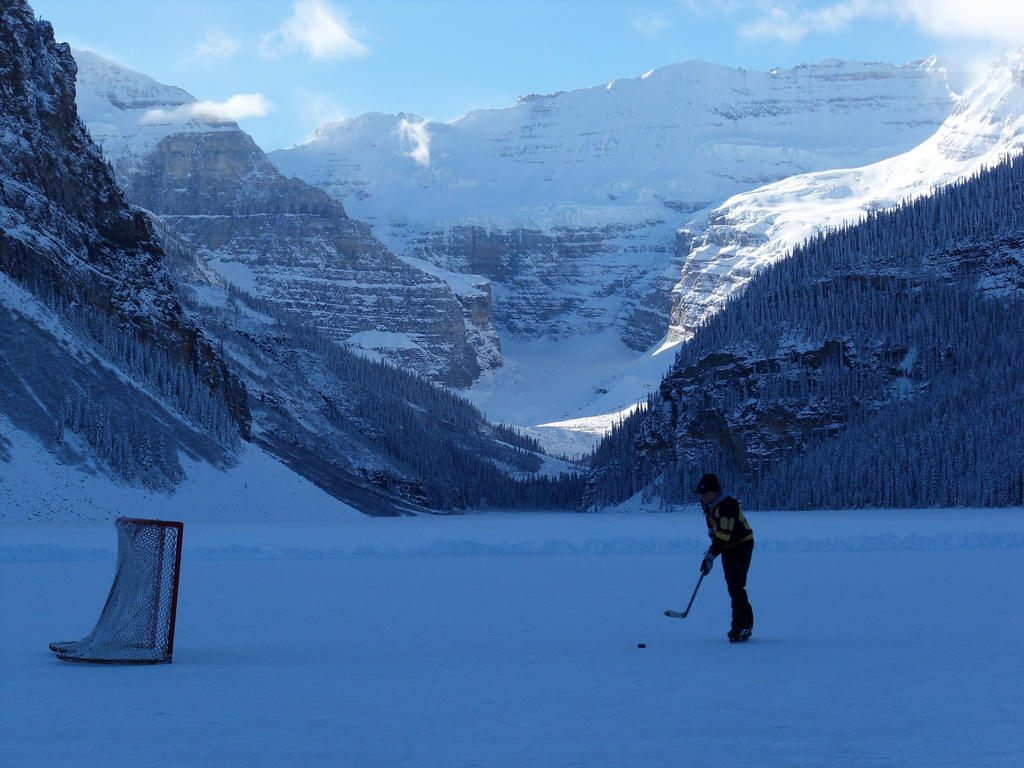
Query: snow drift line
(47, 553)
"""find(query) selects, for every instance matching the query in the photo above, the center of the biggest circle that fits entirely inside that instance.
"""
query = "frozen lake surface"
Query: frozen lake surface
(881, 639)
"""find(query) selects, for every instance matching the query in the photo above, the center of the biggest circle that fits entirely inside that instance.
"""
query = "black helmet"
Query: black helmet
(708, 483)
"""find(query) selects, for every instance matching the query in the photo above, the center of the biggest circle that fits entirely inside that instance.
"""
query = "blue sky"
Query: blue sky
(284, 66)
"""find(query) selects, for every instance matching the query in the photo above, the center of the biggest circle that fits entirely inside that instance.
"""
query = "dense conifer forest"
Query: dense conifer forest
(881, 364)
(100, 394)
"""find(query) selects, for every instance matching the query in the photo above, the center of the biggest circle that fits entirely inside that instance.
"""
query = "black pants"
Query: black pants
(735, 564)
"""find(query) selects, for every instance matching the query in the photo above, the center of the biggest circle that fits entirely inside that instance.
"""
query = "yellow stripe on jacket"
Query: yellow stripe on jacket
(727, 525)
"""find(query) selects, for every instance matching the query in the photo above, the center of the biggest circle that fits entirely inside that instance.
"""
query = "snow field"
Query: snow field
(511, 641)
(568, 393)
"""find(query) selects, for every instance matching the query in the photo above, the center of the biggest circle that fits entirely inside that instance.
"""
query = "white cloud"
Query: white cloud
(995, 21)
(316, 27)
(238, 107)
(651, 24)
(417, 141)
(216, 46)
(776, 24)
(792, 24)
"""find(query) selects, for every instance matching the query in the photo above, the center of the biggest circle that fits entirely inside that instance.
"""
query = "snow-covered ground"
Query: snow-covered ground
(568, 393)
(883, 638)
(35, 485)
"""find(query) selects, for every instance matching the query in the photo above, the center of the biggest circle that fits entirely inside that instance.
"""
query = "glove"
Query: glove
(706, 563)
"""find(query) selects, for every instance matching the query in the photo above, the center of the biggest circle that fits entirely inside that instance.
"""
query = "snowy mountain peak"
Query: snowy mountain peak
(998, 96)
(123, 87)
(336, 134)
(129, 113)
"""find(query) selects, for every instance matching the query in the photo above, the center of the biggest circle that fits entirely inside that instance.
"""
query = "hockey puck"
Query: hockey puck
(641, 645)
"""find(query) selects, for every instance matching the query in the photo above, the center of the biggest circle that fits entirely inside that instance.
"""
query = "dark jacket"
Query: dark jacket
(727, 526)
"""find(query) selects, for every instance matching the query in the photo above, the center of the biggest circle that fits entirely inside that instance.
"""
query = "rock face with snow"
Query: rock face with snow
(280, 238)
(752, 229)
(100, 365)
(45, 158)
(553, 283)
(569, 202)
(66, 230)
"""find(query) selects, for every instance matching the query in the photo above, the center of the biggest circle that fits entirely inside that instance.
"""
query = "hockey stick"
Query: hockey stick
(682, 614)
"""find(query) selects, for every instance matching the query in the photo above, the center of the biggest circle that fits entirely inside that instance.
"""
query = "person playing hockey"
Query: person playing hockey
(733, 539)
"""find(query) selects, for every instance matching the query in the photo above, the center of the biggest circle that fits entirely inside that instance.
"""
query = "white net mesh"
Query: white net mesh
(137, 622)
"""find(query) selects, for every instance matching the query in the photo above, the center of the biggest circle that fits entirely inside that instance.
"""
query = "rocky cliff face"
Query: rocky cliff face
(547, 284)
(66, 230)
(569, 202)
(279, 238)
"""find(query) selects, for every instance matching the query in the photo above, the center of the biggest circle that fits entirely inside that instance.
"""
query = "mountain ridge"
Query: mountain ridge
(278, 237)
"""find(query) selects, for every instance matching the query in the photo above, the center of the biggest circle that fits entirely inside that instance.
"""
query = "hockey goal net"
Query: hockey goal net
(136, 625)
